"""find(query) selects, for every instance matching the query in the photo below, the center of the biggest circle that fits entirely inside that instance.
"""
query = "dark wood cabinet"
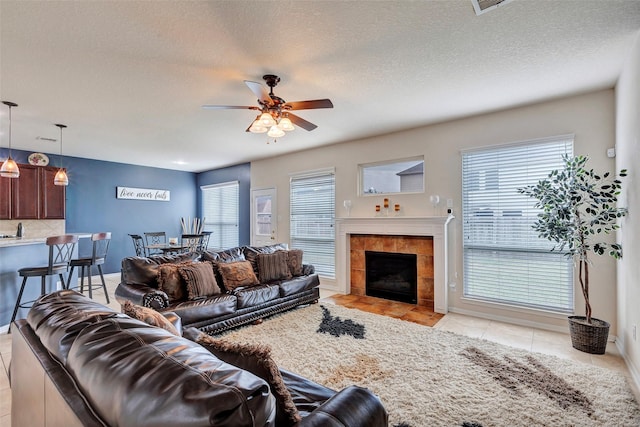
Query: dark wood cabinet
(33, 195)
(52, 197)
(5, 198)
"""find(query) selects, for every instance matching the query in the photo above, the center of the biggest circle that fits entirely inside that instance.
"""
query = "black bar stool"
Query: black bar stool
(60, 253)
(97, 258)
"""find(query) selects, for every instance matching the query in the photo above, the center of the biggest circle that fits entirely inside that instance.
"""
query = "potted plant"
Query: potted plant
(578, 205)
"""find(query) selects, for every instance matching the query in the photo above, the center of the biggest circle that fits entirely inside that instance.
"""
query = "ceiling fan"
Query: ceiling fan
(275, 117)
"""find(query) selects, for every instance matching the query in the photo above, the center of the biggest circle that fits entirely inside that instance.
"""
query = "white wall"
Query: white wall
(590, 117)
(628, 153)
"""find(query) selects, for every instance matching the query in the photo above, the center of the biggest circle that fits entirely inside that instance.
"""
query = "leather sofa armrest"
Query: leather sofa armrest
(145, 296)
(351, 407)
(308, 269)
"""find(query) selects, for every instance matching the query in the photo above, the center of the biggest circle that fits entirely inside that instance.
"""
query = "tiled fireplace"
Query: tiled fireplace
(420, 246)
(424, 236)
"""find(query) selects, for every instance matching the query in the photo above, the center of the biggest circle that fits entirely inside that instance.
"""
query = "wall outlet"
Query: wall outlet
(449, 203)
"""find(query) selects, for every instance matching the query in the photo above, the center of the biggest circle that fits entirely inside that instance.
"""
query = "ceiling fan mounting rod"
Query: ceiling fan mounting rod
(272, 80)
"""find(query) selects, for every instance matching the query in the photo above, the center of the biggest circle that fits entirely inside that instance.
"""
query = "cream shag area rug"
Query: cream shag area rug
(427, 377)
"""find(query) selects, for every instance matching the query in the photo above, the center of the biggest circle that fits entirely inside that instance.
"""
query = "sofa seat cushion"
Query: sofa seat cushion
(204, 309)
(256, 295)
(298, 284)
(57, 318)
(153, 378)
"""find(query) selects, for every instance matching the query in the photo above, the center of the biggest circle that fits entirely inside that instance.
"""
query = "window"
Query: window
(312, 219)
(220, 212)
(504, 259)
(395, 176)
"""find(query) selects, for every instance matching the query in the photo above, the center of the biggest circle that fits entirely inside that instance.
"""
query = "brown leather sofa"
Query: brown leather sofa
(78, 363)
(228, 309)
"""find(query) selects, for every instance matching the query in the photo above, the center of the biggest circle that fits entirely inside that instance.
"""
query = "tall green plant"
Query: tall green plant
(577, 205)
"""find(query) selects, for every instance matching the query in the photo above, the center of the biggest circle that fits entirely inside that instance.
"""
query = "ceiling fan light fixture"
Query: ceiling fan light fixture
(9, 168)
(267, 120)
(275, 132)
(285, 124)
(257, 127)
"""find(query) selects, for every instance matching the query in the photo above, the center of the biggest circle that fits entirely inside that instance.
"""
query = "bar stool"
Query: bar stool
(138, 244)
(60, 253)
(97, 258)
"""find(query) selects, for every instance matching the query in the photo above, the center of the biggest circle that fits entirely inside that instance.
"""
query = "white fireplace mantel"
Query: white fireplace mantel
(435, 227)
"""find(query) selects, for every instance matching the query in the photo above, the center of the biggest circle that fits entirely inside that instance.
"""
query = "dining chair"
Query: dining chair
(191, 242)
(138, 244)
(204, 243)
(100, 247)
(155, 238)
(60, 253)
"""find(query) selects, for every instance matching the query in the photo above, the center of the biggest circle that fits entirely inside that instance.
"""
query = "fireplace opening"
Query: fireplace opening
(391, 275)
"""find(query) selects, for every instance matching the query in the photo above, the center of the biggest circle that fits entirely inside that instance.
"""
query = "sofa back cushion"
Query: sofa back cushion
(57, 319)
(136, 375)
(144, 270)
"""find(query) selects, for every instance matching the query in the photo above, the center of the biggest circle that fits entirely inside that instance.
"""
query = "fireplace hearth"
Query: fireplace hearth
(391, 276)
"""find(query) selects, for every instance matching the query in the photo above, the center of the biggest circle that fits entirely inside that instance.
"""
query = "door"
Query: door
(263, 217)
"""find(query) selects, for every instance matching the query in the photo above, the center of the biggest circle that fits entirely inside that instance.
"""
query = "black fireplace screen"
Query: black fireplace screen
(391, 275)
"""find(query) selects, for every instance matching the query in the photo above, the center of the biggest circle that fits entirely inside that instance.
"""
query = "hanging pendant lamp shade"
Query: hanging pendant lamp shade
(61, 176)
(9, 168)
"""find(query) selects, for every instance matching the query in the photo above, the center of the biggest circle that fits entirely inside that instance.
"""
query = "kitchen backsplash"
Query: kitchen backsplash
(33, 228)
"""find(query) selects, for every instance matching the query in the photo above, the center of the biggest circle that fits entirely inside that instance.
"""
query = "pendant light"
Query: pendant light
(9, 168)
(61, 176)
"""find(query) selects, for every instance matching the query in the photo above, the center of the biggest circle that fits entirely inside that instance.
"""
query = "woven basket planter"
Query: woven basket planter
(590, 338)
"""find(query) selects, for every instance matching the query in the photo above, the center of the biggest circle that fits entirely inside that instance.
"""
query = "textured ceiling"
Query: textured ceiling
(129, 77)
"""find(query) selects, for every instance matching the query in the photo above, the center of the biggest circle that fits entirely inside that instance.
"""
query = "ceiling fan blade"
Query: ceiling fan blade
(309, 105)
(298, 121)
(259, 91)
(229, 107)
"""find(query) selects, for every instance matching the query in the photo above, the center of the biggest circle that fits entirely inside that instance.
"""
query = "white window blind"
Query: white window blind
(312, 220)
(220, 212)
(504, 259)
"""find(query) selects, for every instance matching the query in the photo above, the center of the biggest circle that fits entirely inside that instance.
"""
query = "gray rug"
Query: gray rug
(427, 377)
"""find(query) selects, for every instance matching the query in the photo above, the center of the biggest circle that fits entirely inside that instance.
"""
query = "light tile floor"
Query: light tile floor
(531, 339)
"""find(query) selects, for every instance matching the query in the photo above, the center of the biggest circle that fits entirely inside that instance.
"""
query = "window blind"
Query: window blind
(220, 212)
(312, 219)
(504, 259)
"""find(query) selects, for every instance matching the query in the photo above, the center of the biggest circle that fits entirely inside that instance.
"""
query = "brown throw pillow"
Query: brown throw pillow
(199, 279)
(148, 316)
(171, 283)
(294, 261)
(273, 266)
(236, 274)
(257, 360)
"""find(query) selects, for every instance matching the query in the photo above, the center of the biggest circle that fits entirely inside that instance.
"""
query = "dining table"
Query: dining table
(167, 248)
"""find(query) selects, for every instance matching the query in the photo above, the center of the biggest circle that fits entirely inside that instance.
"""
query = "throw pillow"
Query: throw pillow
(199, 279)
(294, 261)
(171, 283)
(237, 274)
(148, 316)
(251, 252)
(257, 360)
(273, 266)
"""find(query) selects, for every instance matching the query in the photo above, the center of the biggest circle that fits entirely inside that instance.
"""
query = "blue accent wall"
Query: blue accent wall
(92, 206)
(242, 174)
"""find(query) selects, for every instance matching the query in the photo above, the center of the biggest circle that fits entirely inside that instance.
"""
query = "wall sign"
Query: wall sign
(142, 194)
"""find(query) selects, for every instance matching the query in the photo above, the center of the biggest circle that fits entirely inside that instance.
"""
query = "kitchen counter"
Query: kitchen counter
(21, 241)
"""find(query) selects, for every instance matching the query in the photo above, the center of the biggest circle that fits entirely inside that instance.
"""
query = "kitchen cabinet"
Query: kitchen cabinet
(5, 198)
(33, 195)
